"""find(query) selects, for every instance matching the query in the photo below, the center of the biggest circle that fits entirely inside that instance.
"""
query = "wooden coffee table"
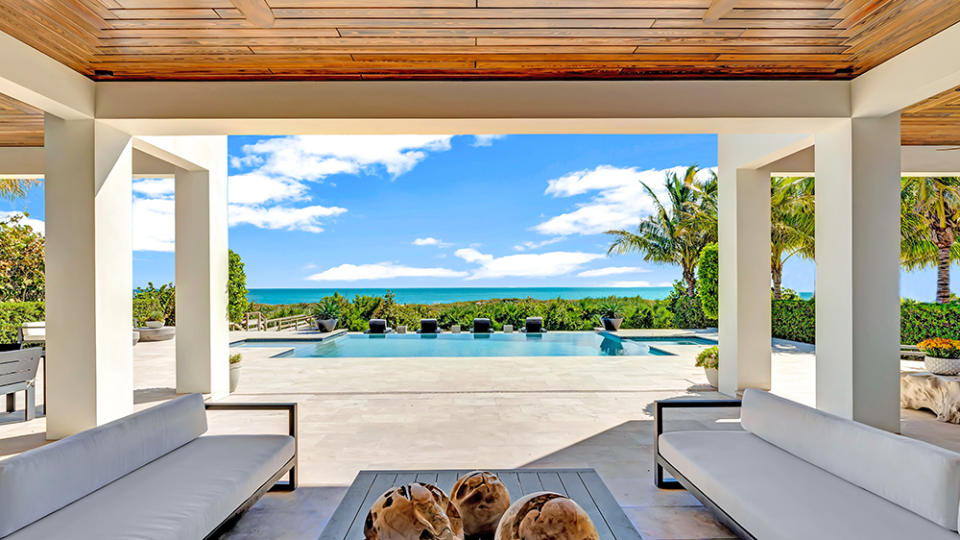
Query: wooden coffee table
(582, 485)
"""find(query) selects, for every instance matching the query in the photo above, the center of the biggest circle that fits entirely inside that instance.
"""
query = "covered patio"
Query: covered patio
(876, 98)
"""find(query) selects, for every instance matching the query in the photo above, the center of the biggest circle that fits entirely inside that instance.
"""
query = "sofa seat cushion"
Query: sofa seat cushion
(185, 494)
(776, 496)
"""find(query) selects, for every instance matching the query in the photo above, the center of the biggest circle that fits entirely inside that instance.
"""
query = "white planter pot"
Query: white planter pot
(713, 377)
(941, 366)
(234, 377)
(154, 324)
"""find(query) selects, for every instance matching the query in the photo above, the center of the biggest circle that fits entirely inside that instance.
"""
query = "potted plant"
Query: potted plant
(709, 360)
(611, 318)
(234, 371)
(942, 356)
(327, 312)
(155, 316)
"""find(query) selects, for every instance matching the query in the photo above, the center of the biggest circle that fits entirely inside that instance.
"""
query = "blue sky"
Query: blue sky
(437, 211)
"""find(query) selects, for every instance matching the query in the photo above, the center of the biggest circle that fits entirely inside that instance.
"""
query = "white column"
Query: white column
(858, 245)
(201, 274)
(89, 283)
(744, 314)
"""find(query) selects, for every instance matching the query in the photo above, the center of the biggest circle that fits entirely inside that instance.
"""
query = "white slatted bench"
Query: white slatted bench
(18, 371)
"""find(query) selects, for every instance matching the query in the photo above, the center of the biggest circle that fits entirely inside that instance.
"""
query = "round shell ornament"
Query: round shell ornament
(481, 498)
(415, 511)
(546, 516)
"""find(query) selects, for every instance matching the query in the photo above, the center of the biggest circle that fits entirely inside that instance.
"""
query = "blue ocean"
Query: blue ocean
(443, 295)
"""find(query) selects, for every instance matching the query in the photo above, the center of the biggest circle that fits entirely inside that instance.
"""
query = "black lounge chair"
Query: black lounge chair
(534, 325)
(482, 326)
(429, 326)
(378, 326)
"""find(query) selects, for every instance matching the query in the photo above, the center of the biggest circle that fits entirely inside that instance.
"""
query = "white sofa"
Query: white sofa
(795, 472)
(150, 475)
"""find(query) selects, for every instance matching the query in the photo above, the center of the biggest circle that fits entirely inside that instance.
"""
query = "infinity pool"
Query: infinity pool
(413, 345)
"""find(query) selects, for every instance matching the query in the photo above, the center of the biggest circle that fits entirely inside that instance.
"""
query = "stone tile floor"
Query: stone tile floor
(413, 413)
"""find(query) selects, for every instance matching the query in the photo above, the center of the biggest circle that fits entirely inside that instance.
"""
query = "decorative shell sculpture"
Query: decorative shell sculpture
(415, 511)
(481, 498)
(546, 516)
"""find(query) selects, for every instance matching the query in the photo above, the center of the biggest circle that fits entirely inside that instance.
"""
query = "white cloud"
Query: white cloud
(554, 263)
(153, 224)
(384, 270)
(637, 284)
(485, 140)
(153, 187)
(612, 270)
(258, 188)
(619, 200)
(307, 218)
(37, 225)
(313, 157)
(430, 241)
(523, 246)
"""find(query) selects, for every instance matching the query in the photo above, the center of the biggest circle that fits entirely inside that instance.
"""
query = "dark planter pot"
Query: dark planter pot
(326, 325)
(611, 325)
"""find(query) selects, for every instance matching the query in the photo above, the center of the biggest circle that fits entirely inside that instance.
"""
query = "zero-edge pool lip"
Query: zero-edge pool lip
(573, 344)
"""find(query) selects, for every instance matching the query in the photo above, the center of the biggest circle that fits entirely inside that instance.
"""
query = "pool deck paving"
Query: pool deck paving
(467, 412)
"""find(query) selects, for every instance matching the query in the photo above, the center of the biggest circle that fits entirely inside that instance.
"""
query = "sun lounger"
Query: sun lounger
(534, 325)
(482, 325)
(378, 326)
(429, 326)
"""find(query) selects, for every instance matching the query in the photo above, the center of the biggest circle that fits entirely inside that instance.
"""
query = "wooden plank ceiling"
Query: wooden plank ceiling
(935, 121)
(20, 124)
(451, 39)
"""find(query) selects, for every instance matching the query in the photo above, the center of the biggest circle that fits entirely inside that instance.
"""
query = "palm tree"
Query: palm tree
(16, 188)
(791, 224)
(929, 227)
(676, 231)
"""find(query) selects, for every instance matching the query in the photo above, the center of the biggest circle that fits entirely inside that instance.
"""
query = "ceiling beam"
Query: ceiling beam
(718, 9)
(34, 78)
(257, 12)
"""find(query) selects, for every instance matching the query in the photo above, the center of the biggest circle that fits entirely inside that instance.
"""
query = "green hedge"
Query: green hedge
(923, 321)
(14, 314)
(794, 320)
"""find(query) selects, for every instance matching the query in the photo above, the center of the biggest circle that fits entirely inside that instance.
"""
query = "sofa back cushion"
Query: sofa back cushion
(41, 481)
(920, 477)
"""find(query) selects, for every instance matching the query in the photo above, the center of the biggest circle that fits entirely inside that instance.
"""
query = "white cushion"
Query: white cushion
(922, 478)
(40, 481)
(185, 494)
(776, 496)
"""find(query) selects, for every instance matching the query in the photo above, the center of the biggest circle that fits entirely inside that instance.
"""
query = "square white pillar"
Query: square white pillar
(857, 292)
(89, 281)
(201, 279)
(744, 231)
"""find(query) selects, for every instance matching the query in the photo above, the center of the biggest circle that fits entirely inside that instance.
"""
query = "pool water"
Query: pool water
(680, 340)
(447, 345)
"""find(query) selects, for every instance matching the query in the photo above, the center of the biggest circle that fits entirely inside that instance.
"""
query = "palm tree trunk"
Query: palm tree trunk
(943, 275)
(691, 278)
(777, 272)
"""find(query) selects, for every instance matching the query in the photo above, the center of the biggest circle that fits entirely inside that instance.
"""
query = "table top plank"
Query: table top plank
(618, 522)
(346, 511)
(381, 483)
(582, 485)
(578, 491)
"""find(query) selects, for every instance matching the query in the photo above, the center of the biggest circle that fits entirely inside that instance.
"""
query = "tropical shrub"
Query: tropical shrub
(155, 304)
(708, 280)
(939, 347)
(687, 310)
(14, 314)
(709, 358)
(236, 288)
(920, 321)
(235, 358)
(327, 308)
(21, 262)
(794, 320)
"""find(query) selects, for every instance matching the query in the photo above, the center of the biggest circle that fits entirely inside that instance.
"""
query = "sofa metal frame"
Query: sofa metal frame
(273, 484)
(679, 480)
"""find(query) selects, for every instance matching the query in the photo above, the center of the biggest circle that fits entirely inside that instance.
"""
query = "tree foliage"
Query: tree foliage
(21, 262)
(791, 224)
(930, 226)
(679, 227)
(708, 280)
(152, 303)
(236, 288)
